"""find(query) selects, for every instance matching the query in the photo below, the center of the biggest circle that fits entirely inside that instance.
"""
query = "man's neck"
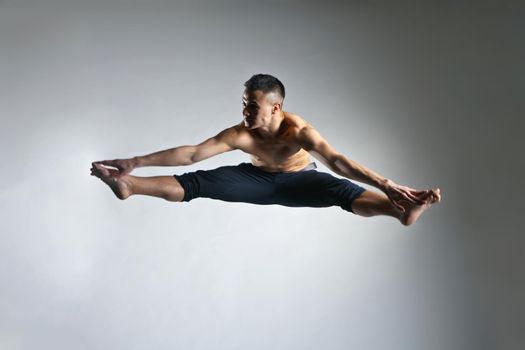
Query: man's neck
(273, 128)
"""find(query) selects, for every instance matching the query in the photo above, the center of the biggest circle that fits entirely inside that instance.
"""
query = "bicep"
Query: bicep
(222, 142)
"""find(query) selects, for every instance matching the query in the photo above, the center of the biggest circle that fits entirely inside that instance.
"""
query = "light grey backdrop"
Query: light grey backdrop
(426, 93)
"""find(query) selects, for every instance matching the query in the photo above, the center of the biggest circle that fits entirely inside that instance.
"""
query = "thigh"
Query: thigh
(316, 189)
(240, 183)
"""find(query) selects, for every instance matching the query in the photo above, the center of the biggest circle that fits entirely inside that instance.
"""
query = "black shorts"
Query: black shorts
(247, 183)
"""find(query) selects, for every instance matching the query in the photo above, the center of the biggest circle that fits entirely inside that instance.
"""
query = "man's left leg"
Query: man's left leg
(372, 204)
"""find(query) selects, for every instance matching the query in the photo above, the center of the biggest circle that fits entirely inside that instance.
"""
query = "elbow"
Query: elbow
(195, 155)
(187, 162)
(189, 156)
(190, 162)
(336, 161)
(339, 164)
(191, 159)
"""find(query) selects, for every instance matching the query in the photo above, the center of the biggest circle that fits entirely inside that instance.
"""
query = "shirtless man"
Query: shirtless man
(280, 144)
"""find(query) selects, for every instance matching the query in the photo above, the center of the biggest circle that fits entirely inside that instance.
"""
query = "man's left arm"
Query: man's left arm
(316, 145)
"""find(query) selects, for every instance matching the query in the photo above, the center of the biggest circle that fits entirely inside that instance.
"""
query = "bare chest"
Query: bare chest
(281, 154)
(276, 151)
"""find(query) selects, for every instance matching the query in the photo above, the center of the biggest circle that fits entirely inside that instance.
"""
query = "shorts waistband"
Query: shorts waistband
(310, 166)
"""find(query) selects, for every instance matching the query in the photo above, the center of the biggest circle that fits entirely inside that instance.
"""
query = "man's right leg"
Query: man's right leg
(166, 187)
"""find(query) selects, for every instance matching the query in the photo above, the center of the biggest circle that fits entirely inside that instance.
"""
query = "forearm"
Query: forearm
(348, 168)
(181, 155)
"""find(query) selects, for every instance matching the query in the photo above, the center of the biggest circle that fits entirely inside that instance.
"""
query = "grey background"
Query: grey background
(425, 93)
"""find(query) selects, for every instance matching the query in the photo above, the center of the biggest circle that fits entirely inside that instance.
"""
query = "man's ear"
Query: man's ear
(276, 107)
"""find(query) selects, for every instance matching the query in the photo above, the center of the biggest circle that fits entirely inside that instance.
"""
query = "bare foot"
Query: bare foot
(113, 179)
(413, 211)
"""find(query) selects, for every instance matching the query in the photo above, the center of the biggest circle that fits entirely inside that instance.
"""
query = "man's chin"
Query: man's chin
(249, 125)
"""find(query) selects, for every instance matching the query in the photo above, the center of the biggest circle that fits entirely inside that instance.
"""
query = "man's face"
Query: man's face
(257, 109)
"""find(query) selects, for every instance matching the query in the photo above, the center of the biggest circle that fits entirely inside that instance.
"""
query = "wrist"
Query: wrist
(384, 184)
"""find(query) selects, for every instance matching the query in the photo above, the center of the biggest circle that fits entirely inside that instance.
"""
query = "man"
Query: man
(280, 144)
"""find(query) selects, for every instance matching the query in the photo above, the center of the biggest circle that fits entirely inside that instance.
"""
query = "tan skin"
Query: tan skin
(277, 141)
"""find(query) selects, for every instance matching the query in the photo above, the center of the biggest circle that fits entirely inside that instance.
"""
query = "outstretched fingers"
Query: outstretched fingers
(409, 194)
(417, 196)
(124, 166)
(112, 163)
(400, 196)
(101, 171)
(98, 170)
(428, 196)
(397, 205)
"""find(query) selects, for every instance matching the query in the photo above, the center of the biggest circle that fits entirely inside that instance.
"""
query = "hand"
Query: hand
(397, 193)
(125, 166)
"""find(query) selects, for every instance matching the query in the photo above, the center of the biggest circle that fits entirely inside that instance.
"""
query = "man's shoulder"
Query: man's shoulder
(239, 130)
(295, 119)
(239, 135)
(235, 130)
(296, 123)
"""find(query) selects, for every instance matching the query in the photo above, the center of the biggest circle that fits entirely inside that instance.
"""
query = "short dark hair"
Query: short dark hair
(266, 83)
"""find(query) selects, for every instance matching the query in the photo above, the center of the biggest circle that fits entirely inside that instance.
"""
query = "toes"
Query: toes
(431, 196)
(436, 195)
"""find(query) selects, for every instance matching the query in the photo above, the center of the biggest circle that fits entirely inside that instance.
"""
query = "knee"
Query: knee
(174, 194)
(362, 205)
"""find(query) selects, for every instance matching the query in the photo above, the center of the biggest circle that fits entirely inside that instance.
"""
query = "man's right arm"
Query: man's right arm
(225, 141)
(186, 155)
